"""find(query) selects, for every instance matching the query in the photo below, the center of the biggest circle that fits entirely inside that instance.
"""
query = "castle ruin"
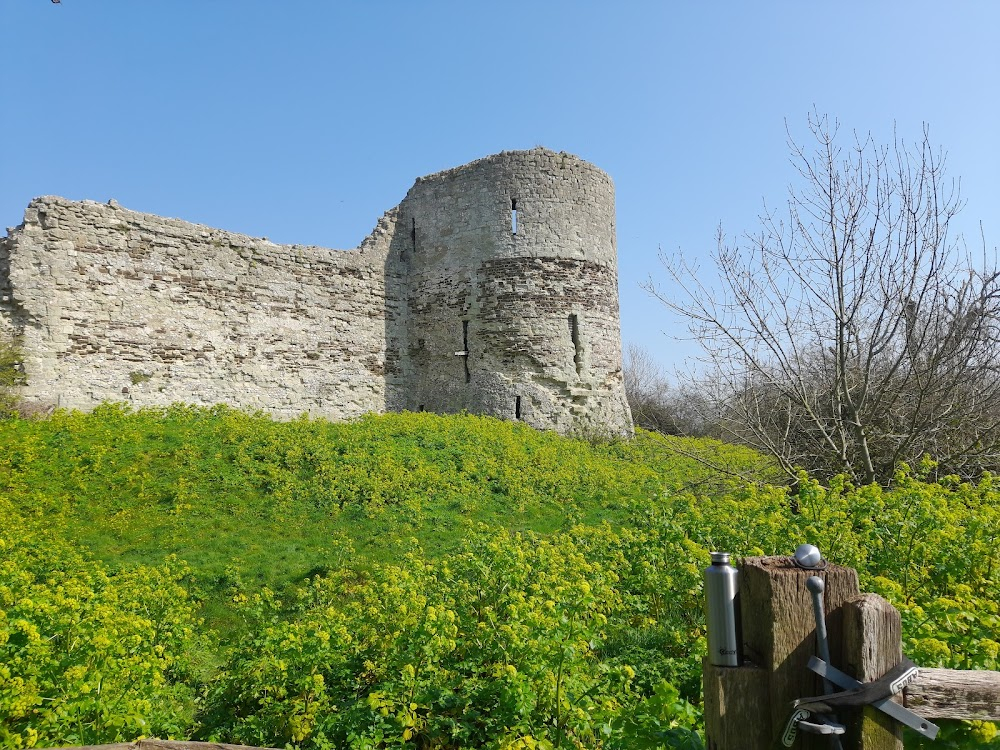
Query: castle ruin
(491, 288)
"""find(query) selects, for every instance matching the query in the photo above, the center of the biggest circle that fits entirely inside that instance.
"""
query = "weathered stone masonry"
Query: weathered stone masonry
(491, 288)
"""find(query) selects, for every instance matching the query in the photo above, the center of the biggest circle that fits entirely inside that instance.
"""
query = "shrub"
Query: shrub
(88, 656)
(11, 374)
(497, 647)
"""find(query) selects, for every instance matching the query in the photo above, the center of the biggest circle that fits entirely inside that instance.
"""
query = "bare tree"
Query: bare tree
(658, 405)
(854, 331)
(647, 389)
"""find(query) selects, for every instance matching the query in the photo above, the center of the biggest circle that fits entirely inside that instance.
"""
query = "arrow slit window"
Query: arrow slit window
(574, 334)
(465, 350)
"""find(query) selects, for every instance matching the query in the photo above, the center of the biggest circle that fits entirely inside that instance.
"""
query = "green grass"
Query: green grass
(620, 528)
(278, 501)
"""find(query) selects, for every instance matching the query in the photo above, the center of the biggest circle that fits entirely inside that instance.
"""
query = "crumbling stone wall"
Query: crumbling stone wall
(8, 309)
(444, 306)
(120, 305)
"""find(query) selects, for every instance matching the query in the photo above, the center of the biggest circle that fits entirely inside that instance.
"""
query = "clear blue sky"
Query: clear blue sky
(305, 121)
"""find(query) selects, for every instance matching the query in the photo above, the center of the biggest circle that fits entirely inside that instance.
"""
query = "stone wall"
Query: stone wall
(444, 306)
(8, 309)
(119, 305)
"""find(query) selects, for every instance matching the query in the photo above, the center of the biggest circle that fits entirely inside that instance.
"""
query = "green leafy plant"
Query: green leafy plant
(422, 580)
(89, 656)
(11, 374)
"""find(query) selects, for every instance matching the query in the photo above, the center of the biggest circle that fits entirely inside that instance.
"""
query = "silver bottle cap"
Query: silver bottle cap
(720, 558)
(808, 556)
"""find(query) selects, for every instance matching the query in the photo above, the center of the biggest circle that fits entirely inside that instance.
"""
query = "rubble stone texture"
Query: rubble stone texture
(491, 288)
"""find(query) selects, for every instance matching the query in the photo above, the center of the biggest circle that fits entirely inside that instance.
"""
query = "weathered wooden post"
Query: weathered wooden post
(872, 646)
(747, 707)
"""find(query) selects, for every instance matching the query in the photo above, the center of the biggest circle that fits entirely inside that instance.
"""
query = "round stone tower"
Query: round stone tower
(509, 269)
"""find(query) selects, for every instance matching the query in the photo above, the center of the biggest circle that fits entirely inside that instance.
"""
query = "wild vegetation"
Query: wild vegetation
(11, 374)
(853, 330)
(660, 405)
(422, 581)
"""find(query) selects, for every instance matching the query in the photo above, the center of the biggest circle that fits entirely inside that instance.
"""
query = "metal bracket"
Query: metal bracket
(822, 725)
(792, 726)
(885, 705)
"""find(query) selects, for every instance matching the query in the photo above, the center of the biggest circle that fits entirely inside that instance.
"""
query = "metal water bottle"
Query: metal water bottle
(721, 587)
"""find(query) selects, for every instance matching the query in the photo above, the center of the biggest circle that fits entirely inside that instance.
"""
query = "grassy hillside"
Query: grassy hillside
(419, 580)
(276, 501)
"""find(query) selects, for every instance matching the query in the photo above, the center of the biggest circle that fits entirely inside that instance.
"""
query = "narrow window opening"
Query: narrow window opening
(574, 334)
(420, 408)
(517, 407)
(465, 350)
(513, 215)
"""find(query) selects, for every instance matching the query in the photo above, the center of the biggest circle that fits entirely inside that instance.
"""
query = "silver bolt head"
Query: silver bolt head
(808, 556)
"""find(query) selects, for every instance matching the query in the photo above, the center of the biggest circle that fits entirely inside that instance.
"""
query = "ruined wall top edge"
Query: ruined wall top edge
(56, 212)
(534, 204)
(539, 158)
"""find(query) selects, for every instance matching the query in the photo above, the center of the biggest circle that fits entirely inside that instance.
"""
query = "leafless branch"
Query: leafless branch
(853, 331)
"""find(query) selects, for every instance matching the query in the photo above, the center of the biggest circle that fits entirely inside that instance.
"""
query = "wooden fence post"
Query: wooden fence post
(734, 699)
(872, 646)
(746, 707)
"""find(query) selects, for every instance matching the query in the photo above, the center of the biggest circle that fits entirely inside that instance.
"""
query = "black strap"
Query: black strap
(891, 683)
